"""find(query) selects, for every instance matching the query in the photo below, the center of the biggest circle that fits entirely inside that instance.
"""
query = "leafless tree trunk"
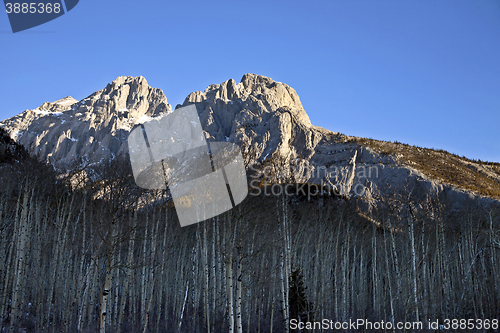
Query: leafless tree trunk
(388, 270)
(153, 279)
(238, 291)
(22, 235)
(129, 264)
(413, 261)
(229, 269)
(104, 296)
(207, 277)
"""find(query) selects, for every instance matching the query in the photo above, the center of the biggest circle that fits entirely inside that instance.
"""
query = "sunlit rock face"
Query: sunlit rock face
(264, 117)
(67, 131)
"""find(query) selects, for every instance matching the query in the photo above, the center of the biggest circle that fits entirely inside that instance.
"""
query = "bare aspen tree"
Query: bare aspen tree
(143, 273)
(215, 263)
(413, 259)
(163, 264)
(72, 285)
(424, 273)
(77, 296)
(12, 249)
(317, 265)
(147, 307)
(354, 273)
(62, 240)
(56, 263)
(238, 290)
(187, 289)
(85, 296)
(221, 268)
(362, 278)
(345, 277)
(89, 300)
(336, 267)
(230, 292)
(178, 297)
(129, 265)
(284, 272)
(105, 295)
(272, 287)
(374, 270)
(183, 305)
(41, 238)
(495, 243)
(207, 277)
(388, 270)
(396, 265)
(20, 262)
(194, 276)
(116, 289)
(284, 299)
(84, 281)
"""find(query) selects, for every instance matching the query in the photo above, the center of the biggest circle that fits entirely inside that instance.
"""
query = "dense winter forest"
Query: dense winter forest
(99, 259)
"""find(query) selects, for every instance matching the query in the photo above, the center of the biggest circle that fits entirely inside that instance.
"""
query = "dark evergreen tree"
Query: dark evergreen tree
(300, 308)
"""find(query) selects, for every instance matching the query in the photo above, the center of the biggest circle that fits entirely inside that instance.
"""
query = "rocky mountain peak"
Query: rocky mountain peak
(286, 96)
(261, 115)
(264, 117)
(63, 104)
(67, 131)
(258, 113)
(256, 93)
(129, 96)
(66, 101)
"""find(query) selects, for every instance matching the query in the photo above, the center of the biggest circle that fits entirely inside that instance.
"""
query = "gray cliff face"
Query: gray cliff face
(264, 117)
(267, 120)
(96, 128)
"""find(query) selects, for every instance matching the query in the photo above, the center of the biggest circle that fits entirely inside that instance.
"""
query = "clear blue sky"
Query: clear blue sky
(423, 72)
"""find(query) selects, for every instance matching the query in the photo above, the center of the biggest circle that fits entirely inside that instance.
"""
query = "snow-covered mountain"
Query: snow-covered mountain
(267, 120)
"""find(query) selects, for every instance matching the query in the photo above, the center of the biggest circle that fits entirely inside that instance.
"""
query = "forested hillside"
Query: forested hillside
(100, 259)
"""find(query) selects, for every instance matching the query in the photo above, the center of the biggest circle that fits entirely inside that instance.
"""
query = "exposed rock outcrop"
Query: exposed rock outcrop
(96, 128)
(264, 117)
